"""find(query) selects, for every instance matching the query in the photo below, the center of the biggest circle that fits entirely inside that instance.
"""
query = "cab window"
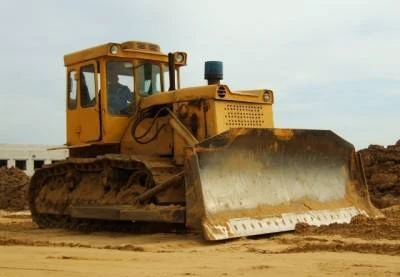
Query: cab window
(87, 86)
(72, 89)
(166, 78)
(150, 78)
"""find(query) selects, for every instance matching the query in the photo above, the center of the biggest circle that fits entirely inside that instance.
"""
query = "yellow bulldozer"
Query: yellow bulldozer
(143, 149)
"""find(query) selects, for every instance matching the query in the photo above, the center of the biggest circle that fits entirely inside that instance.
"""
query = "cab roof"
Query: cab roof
(128, 49)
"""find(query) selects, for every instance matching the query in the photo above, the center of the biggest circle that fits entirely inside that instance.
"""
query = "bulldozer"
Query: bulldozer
(145, 150)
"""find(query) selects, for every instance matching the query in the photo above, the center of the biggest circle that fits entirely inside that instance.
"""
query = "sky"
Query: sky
(331, 64)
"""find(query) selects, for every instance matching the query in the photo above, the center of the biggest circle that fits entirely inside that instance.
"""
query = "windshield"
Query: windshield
(150, 78)
(121, 83)
(120, 87)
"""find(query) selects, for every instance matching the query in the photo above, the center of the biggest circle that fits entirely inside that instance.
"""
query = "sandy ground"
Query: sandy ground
(26, 250)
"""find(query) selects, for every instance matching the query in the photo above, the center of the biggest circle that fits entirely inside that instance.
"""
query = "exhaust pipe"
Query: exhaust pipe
(213, 72)
(171, 69)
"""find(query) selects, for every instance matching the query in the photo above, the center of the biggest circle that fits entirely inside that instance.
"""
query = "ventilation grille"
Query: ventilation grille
(242, 115)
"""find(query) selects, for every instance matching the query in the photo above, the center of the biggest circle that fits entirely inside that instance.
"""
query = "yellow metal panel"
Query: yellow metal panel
(181, 95)
(207, 92)
(89, 122)
(113, 127)
(72, 128)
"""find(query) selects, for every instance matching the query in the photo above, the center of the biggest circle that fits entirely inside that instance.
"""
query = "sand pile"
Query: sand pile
(13, 188)
(361, 227)
(382, 170)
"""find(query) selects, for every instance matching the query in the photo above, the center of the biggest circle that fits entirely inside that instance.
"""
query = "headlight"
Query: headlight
(266, 96)
(180, 58)
(114, 49)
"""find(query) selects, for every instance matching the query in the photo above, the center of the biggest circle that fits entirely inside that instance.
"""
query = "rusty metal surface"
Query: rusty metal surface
(176, 179)
(257, 174)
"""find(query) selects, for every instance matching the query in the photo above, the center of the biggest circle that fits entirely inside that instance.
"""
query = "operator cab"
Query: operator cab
(105, 84)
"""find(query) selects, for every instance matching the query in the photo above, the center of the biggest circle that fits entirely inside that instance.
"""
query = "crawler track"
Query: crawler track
(105, 180)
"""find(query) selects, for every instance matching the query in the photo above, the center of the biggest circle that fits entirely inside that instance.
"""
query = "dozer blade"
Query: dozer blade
(247, 182)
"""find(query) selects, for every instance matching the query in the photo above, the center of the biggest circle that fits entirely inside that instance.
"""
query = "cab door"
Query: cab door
(83, 110)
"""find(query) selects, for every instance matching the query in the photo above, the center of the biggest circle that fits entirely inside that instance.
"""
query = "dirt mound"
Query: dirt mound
(313, 245)
(13, 188)
(382, 171)
(361, 227)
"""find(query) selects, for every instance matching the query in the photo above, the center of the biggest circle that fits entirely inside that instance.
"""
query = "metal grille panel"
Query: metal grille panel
(244, 115)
